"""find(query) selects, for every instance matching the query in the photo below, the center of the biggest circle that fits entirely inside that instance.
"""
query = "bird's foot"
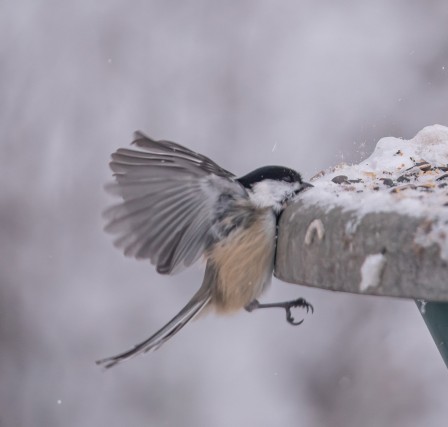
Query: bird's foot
(287, 305)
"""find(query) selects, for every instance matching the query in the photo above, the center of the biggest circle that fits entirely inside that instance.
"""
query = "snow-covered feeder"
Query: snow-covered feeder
(377, 227)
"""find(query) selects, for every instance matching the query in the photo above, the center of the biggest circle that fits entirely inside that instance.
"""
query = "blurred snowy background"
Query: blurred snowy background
(303, 83)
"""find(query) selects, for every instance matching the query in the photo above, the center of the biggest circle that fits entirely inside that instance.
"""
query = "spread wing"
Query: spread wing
(170, 195)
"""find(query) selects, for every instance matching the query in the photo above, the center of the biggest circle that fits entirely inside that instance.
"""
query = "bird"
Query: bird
(178, 206)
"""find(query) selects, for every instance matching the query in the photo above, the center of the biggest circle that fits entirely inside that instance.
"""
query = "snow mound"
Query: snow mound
(409, 177)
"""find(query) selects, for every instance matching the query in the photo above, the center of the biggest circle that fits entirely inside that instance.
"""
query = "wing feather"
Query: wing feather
(168, 207)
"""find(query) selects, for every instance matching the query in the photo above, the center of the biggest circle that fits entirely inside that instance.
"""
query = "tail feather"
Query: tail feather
(191, 310)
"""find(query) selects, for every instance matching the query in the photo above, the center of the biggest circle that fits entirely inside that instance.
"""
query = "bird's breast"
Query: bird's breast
(243, 263)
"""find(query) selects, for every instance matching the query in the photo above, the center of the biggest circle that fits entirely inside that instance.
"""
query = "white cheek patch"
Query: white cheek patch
(270, 193)
(261, 194)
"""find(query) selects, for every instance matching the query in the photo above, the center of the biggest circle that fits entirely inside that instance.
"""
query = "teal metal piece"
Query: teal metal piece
(435, 315)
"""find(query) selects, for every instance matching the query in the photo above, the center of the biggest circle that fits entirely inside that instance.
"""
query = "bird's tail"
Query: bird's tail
(191, 310)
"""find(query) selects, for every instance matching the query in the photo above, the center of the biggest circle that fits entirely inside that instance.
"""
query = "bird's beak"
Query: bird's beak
(304, 186)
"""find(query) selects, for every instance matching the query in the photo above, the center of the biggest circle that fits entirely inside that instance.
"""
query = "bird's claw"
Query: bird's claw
(299, 302)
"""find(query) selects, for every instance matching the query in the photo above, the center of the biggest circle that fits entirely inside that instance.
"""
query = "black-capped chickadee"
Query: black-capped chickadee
(179, 205)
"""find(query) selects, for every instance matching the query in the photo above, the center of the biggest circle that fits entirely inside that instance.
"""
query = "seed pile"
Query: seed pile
(422, 177)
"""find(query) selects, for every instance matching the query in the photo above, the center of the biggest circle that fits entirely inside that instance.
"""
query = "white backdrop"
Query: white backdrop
(305, 84)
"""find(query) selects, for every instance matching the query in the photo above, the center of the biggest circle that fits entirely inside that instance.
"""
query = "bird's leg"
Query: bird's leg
(287, 305)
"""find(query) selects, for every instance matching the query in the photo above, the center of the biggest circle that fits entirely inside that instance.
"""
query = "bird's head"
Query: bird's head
(273, 186)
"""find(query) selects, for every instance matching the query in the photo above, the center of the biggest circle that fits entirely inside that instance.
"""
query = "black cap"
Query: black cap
(276, 173)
